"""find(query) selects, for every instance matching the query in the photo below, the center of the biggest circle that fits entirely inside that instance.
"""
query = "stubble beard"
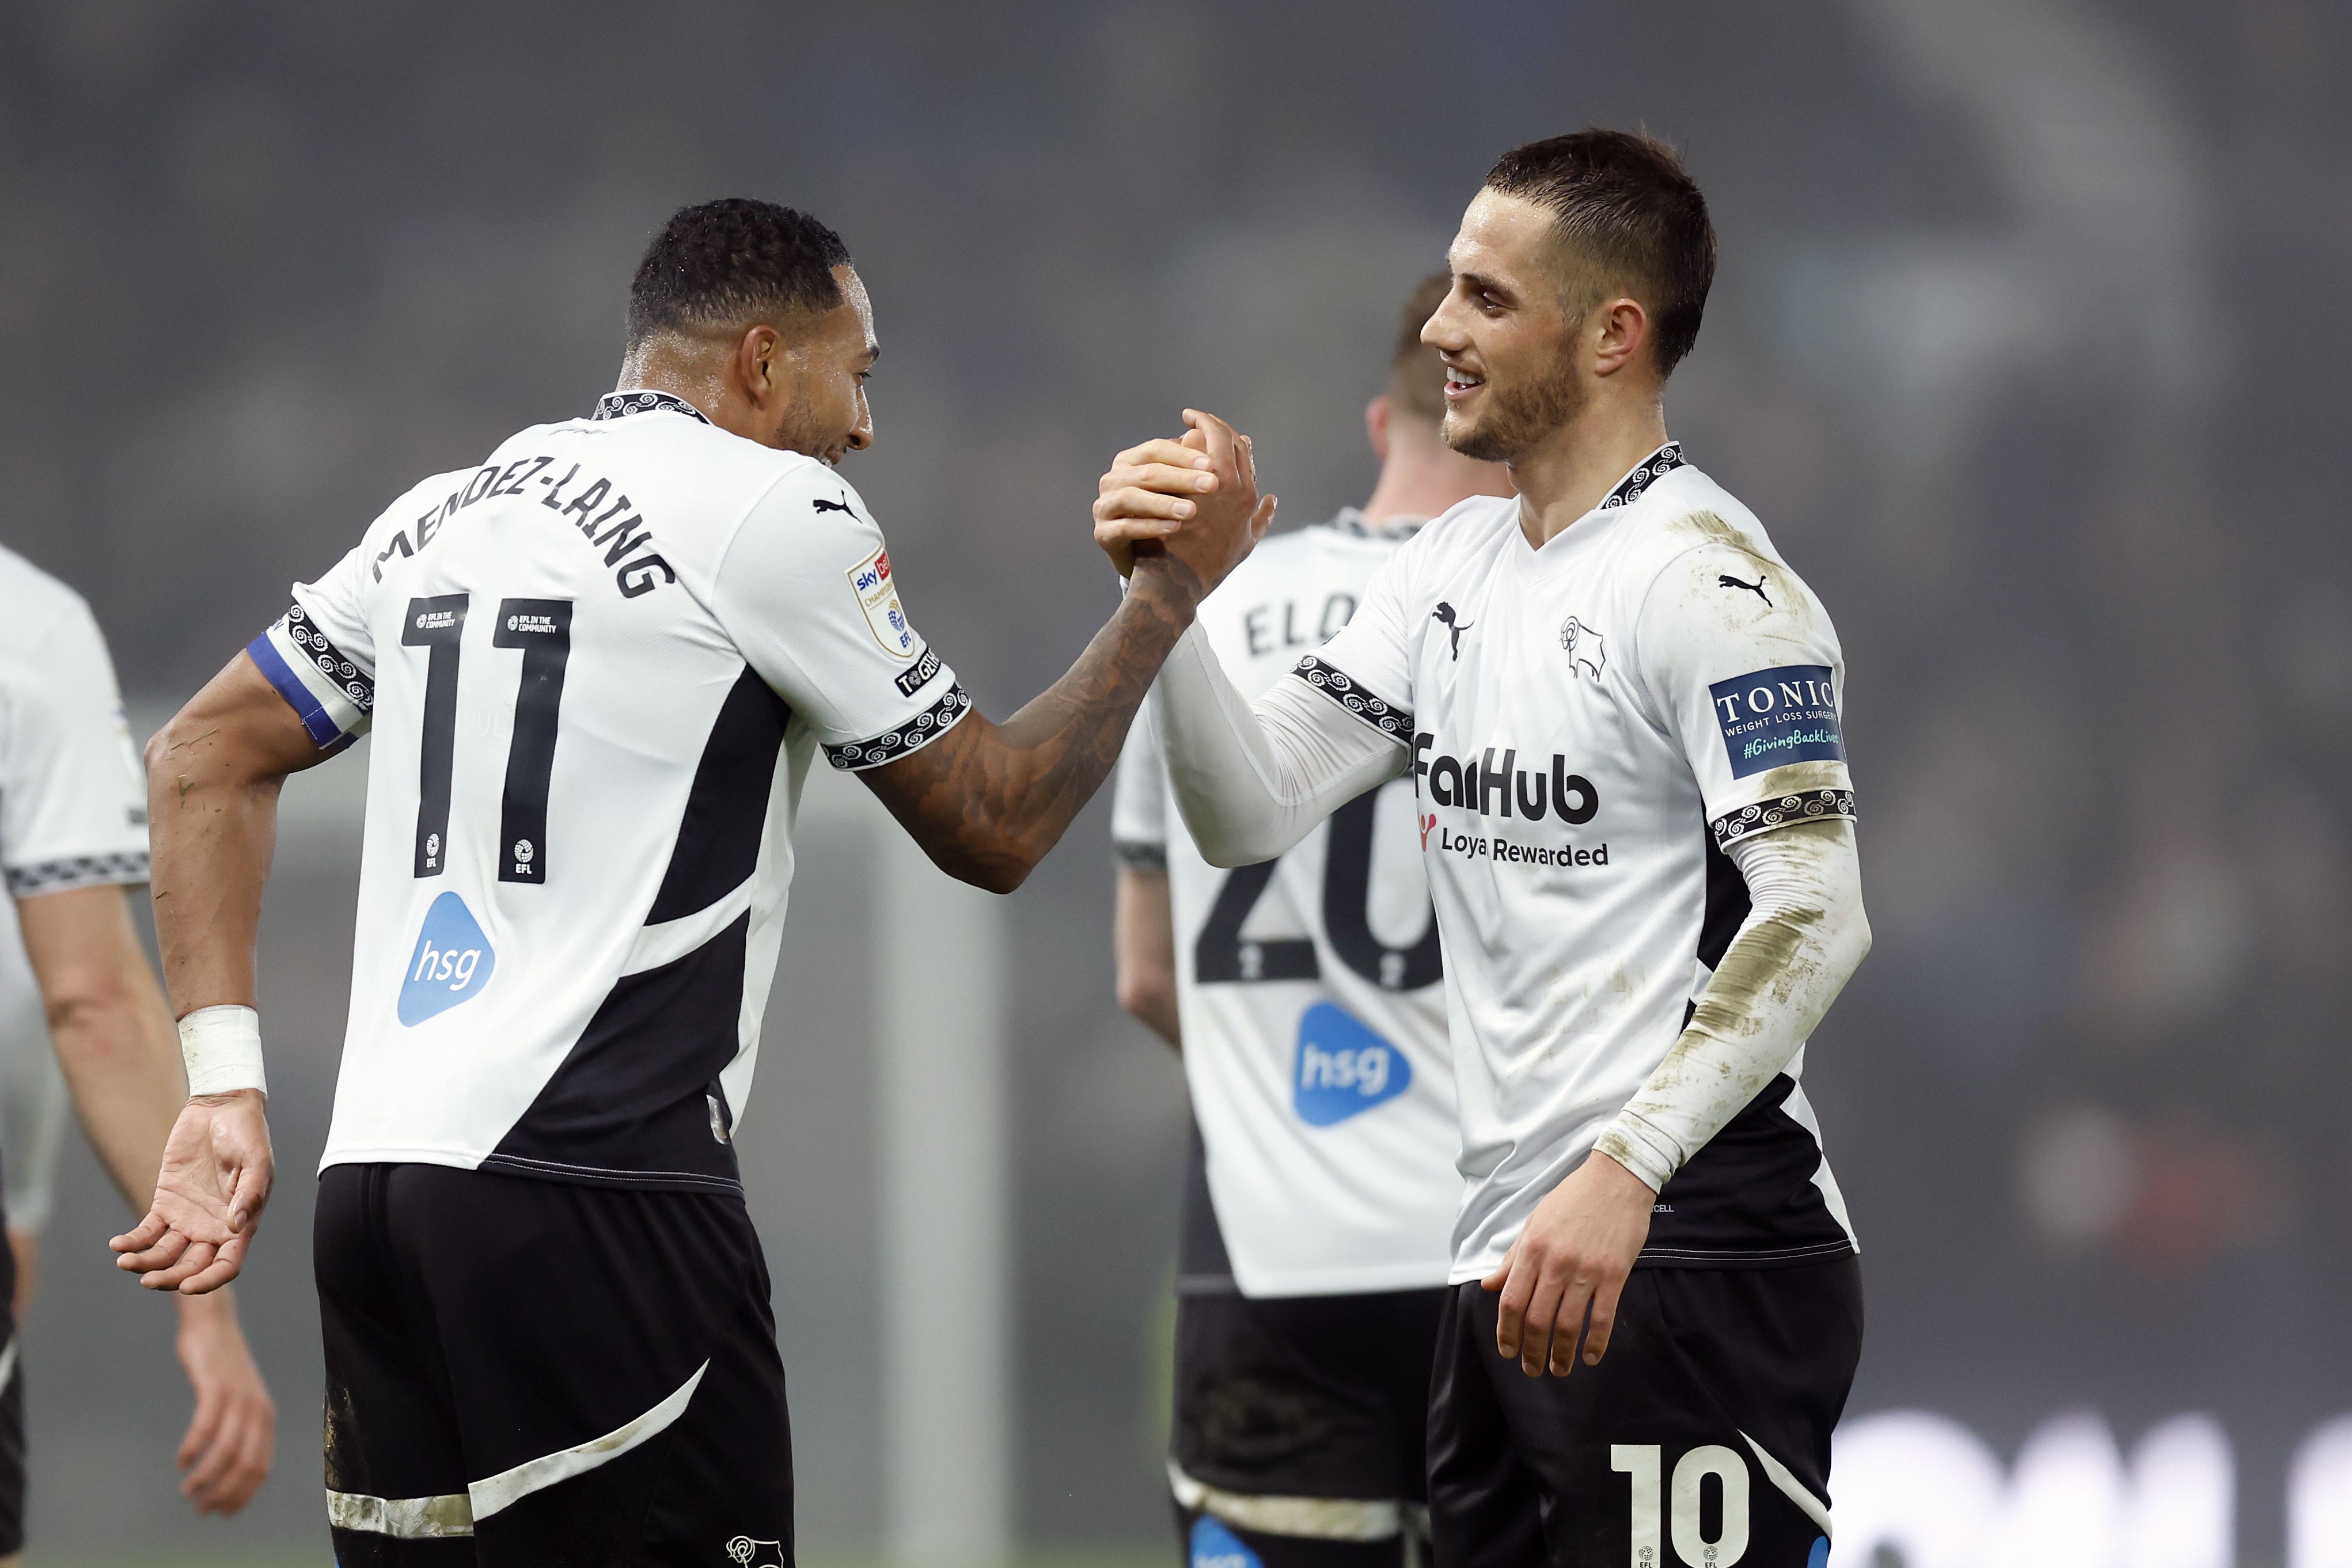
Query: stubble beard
(1517, 419)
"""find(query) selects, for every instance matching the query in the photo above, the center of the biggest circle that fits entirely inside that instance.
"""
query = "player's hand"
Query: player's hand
(1195, 500)
(209, 1195)
(225, 1456)
(1573, 1258)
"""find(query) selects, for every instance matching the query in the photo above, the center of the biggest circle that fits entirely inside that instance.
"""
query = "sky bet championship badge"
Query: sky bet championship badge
(878, 595)
(1774, 717)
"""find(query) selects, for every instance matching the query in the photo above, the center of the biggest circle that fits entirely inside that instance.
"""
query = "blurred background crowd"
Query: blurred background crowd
(2027, 344)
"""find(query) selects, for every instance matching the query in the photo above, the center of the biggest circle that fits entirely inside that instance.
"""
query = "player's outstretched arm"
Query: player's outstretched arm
(987, 800)
(213, 777)
(1804, 936)
(1251, 780)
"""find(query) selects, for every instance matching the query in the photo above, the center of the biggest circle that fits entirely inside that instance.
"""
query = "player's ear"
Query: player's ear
(1621, 330)
(1376, 425)
(759, 356)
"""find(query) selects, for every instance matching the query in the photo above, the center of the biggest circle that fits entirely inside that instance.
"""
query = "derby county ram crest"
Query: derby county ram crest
(1584, 646)
(745, 1553)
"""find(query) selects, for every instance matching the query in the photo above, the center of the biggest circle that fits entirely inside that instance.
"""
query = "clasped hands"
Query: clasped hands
(1190, 503)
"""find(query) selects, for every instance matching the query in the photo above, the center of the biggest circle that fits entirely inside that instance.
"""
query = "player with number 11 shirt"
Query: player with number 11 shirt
(596, 666)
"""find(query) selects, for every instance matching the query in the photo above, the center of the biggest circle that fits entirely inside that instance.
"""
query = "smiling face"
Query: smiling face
(820, 409)
(1513, 352)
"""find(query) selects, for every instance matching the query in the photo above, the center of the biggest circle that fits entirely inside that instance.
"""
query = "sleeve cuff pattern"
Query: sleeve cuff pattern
(1394, 722)
(1138, 854)
(330, 661)
(912, 735)
(76, 871)
(1764, 816)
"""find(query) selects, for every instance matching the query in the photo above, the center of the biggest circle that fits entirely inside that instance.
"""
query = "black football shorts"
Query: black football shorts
(531, 1372)
(1300, 1427)
(1701, 1439)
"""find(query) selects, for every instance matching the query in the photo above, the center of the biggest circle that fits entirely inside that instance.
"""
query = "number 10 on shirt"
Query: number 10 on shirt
(540, 629)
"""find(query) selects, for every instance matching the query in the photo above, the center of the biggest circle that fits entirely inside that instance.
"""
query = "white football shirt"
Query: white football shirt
(595, 668)
(1314, 1022)
(73, 814)
(1588, 725)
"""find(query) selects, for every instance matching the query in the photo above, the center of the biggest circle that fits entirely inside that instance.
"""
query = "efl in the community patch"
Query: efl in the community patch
(1774, 717)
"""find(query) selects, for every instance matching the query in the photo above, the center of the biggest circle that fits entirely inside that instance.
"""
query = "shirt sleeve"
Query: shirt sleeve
(1139, 804)
(73, 799)
(1367, 666)
(321, 654)
(808, 592)
(1738, 660)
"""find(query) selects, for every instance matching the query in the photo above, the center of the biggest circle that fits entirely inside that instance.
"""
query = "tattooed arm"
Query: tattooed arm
(987, 800)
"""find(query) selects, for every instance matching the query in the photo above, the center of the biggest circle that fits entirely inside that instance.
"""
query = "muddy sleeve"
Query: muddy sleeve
(1803, 938)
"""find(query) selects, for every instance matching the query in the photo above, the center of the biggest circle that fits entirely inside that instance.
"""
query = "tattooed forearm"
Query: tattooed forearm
(987, 800)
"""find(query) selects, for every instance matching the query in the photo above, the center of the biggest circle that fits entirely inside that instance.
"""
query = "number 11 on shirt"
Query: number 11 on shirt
(542, 630)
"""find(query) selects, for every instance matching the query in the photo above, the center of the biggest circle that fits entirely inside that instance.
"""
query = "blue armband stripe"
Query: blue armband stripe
(277, 672)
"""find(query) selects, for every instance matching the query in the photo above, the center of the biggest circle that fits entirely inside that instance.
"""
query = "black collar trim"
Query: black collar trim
(1646, 472)
(621, 404)
(1352, 522)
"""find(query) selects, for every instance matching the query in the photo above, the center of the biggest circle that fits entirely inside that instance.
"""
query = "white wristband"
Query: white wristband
(222, 1047)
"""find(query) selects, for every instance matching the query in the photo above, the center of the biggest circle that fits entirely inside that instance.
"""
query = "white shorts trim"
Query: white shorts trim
(510, 1487)
(1320, 1517)
(1791, 1488)
(403, 1518)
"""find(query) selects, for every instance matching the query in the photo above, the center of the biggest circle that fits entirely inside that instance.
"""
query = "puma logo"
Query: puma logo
(840, 505)
(1757, 588)
(1444, 612)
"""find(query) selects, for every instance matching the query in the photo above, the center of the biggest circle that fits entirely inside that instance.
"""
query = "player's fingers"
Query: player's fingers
(194, 1260)
(1544, 1310)
(1217, 434)
(1263, 519)
(1134, 503)
(160, 1254)
(1604, 1321)
(252, 1196)
(226, 1262)
(1510, 1313)
(1161, 450)
(1248, 450)
(141, 1236)
(1168, 479)
(257, 1445)
(1569, 1326)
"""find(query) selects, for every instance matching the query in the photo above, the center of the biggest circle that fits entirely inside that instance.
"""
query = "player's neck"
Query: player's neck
(1573, 469)
(1423, 476)
(699, 377)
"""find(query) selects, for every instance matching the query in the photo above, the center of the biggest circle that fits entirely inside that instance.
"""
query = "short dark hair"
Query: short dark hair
(734, 261)
(1416, 375)
(1623, 203)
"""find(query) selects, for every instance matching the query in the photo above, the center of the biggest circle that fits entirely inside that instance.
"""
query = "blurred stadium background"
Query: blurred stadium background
(2029, 345)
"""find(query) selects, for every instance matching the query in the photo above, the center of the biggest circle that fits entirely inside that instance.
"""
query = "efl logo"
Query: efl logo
(1344, 1069)
(451, 965)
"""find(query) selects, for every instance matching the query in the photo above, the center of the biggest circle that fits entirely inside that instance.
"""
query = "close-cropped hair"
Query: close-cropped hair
(732, 263)
(1624, 212)
(1416, 374)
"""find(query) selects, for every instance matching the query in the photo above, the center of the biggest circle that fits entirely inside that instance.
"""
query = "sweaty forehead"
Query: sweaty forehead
(861, 306)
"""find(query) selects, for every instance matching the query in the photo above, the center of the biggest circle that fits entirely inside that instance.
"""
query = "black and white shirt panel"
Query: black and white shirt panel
(596, 668)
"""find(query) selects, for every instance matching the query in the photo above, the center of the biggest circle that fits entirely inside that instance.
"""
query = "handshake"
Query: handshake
(1189, 507)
